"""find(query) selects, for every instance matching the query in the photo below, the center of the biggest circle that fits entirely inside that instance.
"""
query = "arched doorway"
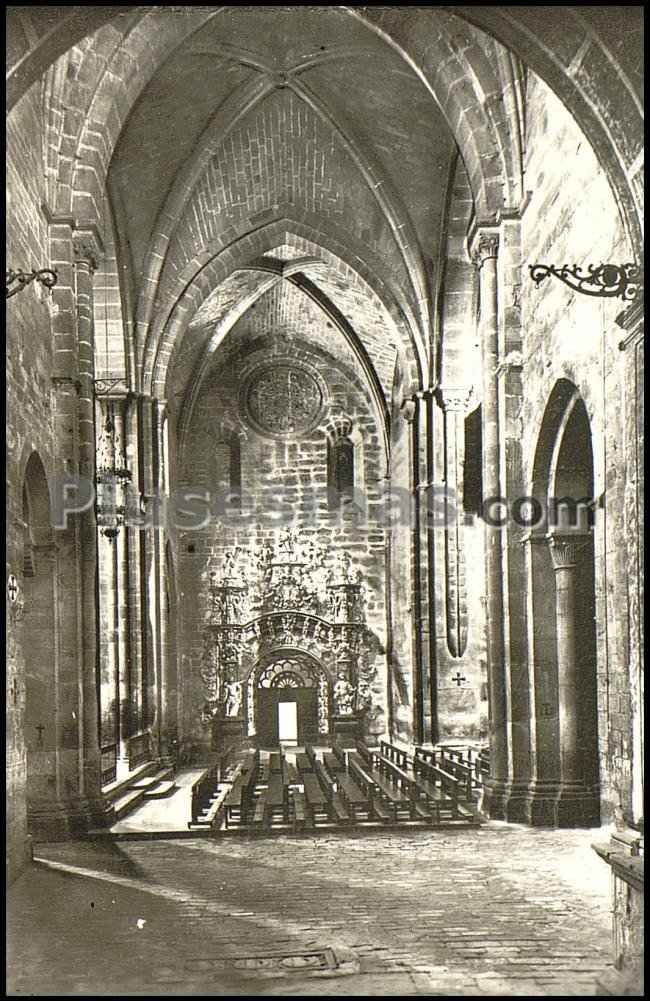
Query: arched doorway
(40, 651)
(563, 617)
(291, 696)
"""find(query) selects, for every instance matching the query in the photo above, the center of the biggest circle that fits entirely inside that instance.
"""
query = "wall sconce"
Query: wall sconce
(18, 280)
(604, 280)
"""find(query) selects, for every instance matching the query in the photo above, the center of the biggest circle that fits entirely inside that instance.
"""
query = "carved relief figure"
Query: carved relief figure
(344, 696)
(233, 698)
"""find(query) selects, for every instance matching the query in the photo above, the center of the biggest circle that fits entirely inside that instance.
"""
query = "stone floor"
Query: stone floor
(503, 910)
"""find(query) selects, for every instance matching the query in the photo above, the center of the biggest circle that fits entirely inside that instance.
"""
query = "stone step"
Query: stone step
(127, 802)
(164, 788)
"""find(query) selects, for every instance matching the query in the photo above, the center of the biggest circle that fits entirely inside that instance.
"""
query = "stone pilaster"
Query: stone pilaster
(631, 321)
(485, 254)
(454, 405)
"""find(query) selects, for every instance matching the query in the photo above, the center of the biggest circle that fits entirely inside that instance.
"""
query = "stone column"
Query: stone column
(454, 404)
(565, 551)
(631, 321)
(148, 544)
(427, 512)
(485, 251)
(88, 248)
(576, 803)
(160, 409)
(132, 542)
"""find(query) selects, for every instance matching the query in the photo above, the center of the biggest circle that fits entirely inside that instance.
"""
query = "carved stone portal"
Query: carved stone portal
(286, 615)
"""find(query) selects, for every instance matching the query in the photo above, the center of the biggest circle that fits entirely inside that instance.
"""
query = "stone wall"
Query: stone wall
(572, 218)
(29, 418)
(283, 479)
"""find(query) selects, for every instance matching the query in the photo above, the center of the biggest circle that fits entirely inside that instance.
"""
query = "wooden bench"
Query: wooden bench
(425, 796)
(354, 799)
(277, 798)
(366, 783)
(235, 802)
(260, 816)
(315, 799)
(337, 809)
(291, 776)
(276, 763)
(300, 819)
(394, 754)
(203, 789)
(304, 762)
(311, 754)
(453, 762)
(398, 786)
(454, 795)
(333, 763)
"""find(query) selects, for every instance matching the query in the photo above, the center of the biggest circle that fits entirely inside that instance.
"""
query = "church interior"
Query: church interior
(324, 497)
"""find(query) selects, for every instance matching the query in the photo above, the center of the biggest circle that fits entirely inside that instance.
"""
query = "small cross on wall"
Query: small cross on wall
(12, 588)
(459, 678)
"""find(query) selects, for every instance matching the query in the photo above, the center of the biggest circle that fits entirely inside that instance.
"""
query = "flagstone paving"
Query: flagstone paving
(503, 910)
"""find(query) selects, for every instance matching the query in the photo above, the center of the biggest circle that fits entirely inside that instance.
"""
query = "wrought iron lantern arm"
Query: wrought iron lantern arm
(16, 281)
(604, 280)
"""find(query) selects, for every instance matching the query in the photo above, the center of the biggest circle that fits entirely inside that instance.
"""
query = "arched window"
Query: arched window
(342, 465)
(228, 471)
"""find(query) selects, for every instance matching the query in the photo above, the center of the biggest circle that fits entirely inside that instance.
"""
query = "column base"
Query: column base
(61, 821)
(542, 804)
(503, 800)
(563, 804)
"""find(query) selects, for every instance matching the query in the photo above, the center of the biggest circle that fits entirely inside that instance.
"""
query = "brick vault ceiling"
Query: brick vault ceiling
(279, 110)
(361, 92)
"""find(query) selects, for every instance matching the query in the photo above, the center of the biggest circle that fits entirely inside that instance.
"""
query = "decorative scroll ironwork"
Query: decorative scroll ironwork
(104, 387)
(605, 280)
(18, 280)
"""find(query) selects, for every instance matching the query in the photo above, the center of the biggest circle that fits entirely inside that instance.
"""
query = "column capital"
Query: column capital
(565, 547)
(484, 246)
(87, 245)
(455, 399)
(407, 409)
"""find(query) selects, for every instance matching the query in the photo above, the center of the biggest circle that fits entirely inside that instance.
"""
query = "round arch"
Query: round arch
(563, 616)
(314, 695)
(40, 727)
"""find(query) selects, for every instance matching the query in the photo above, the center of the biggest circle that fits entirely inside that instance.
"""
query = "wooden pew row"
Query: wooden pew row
(338, 812)
(395, 767)
(203, 790)
(238, 802)
(380, 810)
(316, 802)
(454, 796)
(445, 789)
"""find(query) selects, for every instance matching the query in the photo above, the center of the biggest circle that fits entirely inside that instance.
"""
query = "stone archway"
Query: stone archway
(565, 790)
(40, 725)
(289, 675)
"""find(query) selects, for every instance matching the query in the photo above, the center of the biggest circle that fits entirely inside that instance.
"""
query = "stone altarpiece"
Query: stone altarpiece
(286, 614)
